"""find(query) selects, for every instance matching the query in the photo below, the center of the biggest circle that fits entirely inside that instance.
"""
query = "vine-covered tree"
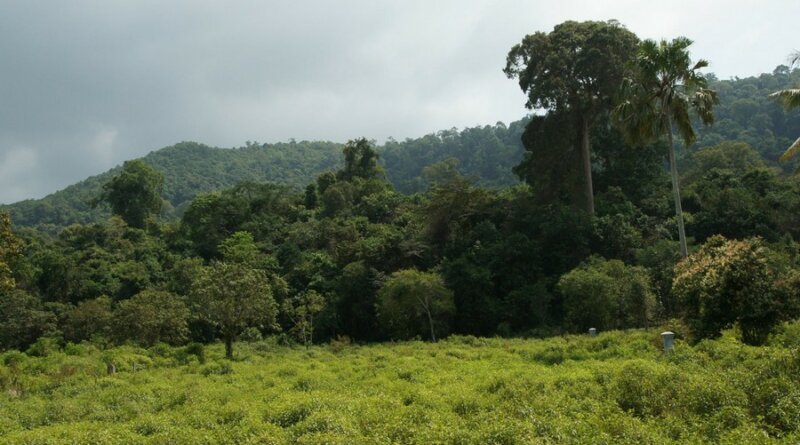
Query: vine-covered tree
(574, 71)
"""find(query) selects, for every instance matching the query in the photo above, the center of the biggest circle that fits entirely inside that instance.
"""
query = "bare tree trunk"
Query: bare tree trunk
(229, 347)
(586, 155)
(676, 191)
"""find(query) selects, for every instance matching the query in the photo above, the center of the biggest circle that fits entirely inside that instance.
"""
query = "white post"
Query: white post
(668, 338)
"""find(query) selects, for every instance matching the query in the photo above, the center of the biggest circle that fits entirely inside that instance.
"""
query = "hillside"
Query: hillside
(745, 113)
(487, 153)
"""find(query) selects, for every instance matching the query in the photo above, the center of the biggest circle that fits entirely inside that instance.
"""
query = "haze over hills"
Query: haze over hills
(487, 153)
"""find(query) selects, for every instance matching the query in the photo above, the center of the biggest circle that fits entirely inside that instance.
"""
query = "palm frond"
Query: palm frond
(791, 151)
(679, 113)
(794, 58)
(790, 97)
(702, 102)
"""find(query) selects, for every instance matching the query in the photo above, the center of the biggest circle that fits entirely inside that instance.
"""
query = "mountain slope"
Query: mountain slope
(190, 168)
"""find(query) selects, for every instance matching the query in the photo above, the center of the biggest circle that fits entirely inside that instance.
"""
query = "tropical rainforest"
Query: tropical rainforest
(639, 194)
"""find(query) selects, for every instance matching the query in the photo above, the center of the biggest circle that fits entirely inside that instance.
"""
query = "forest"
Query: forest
(639, 194)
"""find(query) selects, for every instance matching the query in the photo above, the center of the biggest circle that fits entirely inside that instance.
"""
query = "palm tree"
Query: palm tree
(663, 87)
(791, 99)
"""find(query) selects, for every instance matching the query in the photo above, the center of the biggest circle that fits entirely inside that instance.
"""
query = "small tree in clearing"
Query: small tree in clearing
(233, 297)
(301, 311)
(412, 302)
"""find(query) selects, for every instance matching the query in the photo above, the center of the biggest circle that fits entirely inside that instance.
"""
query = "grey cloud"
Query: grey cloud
(85, 85)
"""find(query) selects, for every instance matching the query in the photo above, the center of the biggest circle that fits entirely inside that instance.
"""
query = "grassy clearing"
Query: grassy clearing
(615, 388)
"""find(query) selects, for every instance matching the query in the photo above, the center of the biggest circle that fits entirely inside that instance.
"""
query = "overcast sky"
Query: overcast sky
(86, 85)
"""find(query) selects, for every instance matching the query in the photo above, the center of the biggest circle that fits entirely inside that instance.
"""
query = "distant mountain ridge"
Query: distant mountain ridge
(191, 168)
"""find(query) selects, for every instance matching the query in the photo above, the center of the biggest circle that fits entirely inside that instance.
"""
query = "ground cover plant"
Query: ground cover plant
(618, 387)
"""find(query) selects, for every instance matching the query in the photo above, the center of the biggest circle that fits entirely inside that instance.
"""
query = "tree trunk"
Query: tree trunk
(229, 347)
(430, 322)
(676, 191)
(586, 155)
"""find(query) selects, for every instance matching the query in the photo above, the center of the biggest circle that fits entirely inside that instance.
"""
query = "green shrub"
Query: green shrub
(727, 282)
(606, 294)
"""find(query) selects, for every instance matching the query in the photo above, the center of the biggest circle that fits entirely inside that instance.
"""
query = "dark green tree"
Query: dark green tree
(233, 297)
(89, 319)
(22, 319)
(412, 303)
(360, 160)
(607, 294)
(575, 71)
(152, 316)
(135, 193)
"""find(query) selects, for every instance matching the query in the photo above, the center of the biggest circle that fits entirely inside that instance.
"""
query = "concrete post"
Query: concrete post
(668, 339)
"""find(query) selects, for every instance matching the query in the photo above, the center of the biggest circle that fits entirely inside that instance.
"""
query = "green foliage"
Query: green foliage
(233, 297)
(301, 310)
(23, 319)
(360, 160)
(617, 387)
(607, 294)
(658, 96)
(135, 193)
(574, 73)
(152, 316)
(727, 282)
(413, 303)
(730, 192)
(89, 319)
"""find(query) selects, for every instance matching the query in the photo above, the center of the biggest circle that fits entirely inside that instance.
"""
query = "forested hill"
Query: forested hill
(488, 153)
(746, 113)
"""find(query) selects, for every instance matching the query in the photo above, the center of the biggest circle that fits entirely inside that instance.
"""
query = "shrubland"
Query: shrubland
(617, 387)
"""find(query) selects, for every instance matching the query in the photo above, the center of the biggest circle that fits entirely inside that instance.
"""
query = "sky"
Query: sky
(86, 85)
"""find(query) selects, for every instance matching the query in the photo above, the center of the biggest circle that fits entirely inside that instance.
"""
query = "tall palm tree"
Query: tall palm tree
(791, 99)
(661, 90)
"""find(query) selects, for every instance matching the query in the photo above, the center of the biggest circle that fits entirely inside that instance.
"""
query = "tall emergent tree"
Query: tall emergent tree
(360, 160)
(659, 95)
(232, 297)
(135, 193)
(791, 99)
(575, 70)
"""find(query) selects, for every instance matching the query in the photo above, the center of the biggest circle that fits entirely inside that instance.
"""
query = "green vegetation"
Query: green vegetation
(430, 239)
(617, 388)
